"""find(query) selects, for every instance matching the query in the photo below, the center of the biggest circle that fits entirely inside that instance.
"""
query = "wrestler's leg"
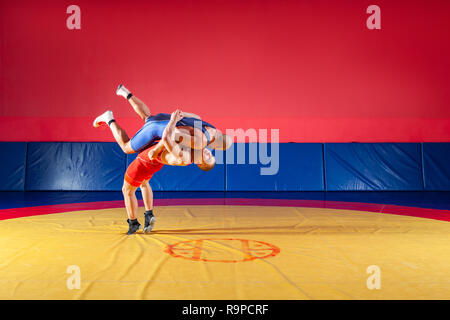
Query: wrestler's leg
(147, 195)
(121, 137)
(131, 203)
(119, 134)
(139, 107)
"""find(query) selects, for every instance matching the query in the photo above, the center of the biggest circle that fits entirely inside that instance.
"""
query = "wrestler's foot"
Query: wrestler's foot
(124, 92)
(149, 222)
(104, 118)
(134, 226)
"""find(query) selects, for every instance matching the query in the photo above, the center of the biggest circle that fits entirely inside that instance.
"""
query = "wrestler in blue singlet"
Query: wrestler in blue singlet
(154, 126)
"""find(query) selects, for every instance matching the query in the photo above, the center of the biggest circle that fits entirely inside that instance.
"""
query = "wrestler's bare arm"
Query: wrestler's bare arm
(169, 134)
(166, 156)
(171, 152)
(172, 160)
(190, 115)
(159, 147)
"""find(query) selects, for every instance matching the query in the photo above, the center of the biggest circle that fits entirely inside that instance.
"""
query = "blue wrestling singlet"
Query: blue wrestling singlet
(154, 127)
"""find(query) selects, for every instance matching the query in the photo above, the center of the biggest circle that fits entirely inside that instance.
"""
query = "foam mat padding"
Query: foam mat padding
(13, 157)
(373, 166)
(75, 166)
(225, 252)
(436, 166)
(274, 167)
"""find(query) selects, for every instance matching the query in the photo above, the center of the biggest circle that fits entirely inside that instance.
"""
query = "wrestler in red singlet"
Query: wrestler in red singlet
(143, 168)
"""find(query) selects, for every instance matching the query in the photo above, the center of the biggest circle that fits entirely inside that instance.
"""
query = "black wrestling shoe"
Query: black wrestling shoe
(134, 226)
(149, 223)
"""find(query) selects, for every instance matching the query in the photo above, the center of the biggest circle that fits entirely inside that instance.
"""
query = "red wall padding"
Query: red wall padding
(310, 68)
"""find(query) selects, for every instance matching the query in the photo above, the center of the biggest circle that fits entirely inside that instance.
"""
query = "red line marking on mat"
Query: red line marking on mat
(193, 250)
(435, 214)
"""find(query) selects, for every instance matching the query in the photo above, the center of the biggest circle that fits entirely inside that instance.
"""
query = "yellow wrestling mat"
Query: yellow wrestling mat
(225, 252)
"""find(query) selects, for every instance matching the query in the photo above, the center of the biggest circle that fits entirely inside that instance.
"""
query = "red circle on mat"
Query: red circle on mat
(249, 250)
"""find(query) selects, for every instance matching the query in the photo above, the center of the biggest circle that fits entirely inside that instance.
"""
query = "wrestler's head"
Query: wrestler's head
(208, 160)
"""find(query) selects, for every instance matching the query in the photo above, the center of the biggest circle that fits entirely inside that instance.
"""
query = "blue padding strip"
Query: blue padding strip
(74, 166)
(301, 167)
